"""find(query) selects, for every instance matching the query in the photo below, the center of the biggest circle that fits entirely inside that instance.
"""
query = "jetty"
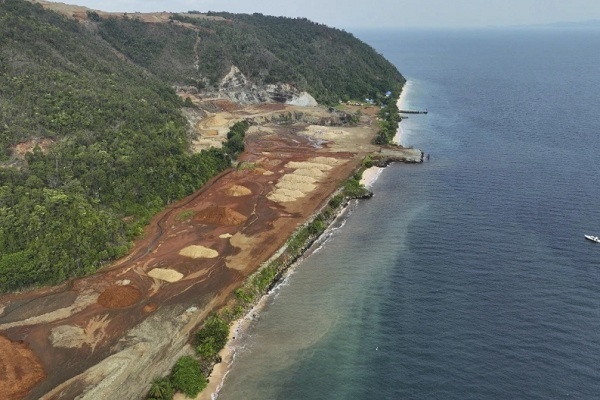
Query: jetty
(412, 111)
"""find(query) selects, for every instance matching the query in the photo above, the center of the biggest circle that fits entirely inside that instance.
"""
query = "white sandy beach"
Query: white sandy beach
(370, 175)
(398, 139)
(217, 377)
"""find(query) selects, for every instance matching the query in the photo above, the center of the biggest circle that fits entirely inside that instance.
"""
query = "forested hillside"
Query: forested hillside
(120, 148)
(328, 63)
(116, 148)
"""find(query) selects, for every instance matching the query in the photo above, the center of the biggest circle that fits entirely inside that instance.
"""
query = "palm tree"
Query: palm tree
(161, 389)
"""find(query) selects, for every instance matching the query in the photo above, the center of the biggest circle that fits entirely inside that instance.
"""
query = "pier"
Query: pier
(413, 111)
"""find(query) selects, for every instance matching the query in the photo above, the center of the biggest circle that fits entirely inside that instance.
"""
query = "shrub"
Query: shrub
(187, 377)
(212, 337)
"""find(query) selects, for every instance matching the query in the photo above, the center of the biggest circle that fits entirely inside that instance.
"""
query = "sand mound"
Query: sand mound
(301, 186)
(308, 165)
(291, 193)
(20, 369)
(238, 190)
(220, 216)
(312, 172)
(119, 296)
(168, 275)
(225, 236)
(325, 160)
(280, 198)
(199, 252)
(297, 178)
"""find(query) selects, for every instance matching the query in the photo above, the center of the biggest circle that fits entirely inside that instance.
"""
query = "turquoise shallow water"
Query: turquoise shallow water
(466, 277)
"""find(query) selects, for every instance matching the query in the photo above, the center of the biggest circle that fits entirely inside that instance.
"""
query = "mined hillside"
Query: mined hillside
(328, 63)
(92, 137)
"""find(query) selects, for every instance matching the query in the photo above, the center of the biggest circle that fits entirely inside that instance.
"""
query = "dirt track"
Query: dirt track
(108, 335)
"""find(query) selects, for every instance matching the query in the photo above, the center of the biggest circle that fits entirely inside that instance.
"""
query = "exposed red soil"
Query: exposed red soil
(20, 369)
(123, 295)
(119, 296)
(220, 216)
(150, 307)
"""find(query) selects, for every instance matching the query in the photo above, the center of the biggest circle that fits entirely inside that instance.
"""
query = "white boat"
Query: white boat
(592, 238)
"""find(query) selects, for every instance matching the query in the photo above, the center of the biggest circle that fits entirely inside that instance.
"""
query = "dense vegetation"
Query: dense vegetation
(329, 63)
(116, 149)
(389, 118)
(120, 149)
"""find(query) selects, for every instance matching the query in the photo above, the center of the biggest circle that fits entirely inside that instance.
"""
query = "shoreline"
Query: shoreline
(398, 137)
(370, 175)
(239, 328)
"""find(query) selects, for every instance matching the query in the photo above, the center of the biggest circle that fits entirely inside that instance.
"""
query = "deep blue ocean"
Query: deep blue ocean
(466, 277)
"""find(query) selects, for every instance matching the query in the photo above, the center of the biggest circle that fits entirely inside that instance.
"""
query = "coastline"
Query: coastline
(370, 175)
(401, 103)
(240, 326)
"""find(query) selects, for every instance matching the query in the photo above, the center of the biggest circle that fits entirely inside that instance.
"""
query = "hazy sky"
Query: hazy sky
(380, 13)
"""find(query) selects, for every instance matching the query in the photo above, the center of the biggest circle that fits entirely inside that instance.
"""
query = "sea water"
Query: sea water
(466, 277)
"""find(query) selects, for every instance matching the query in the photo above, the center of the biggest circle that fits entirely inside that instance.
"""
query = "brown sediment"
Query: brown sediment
(20, 369)
(157, 317)
(119, 296)
(220, 216)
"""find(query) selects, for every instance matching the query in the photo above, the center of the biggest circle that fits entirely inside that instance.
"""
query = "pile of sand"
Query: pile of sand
(302, 180)
(225, 236)
(326, 160)
(312, 172)
(199, 252)
(278, 197)
(220, 216)
(290, 192)
(167, 275)
(67, 336)
(308, 165)
(295, 178)
(238, 190)
(119, 296)
(291, 185)
(20, 369)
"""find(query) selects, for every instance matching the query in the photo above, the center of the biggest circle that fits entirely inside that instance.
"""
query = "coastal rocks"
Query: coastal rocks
(390, 154)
